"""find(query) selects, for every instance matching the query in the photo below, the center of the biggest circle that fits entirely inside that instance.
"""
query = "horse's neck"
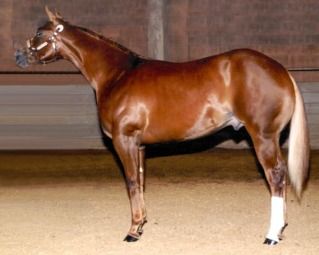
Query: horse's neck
(100, 64)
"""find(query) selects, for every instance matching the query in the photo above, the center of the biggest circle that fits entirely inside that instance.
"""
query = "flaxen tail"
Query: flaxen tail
(298, 155)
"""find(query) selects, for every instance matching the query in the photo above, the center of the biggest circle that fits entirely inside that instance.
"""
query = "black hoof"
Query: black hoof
(270, 242)
(130, 239)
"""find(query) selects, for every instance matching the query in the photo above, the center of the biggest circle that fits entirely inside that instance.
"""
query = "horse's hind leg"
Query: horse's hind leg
(132, 158)
(270, 157)
(141, 172)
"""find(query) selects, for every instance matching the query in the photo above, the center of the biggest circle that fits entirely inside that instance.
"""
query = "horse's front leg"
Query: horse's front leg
(132, 158)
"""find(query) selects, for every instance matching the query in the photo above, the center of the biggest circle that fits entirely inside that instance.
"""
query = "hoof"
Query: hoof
(270, 241)
(130, 239)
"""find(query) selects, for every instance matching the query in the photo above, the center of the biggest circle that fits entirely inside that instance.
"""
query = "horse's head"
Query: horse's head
(44, 46)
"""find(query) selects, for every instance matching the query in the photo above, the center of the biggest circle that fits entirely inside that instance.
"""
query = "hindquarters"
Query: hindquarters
(261, 93)
(263, 99)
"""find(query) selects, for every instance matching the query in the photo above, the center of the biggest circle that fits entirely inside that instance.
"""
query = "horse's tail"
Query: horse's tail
(298, 155)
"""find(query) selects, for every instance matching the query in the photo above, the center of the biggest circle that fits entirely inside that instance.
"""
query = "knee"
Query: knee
(132, 186)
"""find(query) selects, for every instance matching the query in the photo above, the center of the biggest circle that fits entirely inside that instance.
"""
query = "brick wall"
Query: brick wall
(286, 30)
(125, 21)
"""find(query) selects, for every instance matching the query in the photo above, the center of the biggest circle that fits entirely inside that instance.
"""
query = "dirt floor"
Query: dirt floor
(204, 203)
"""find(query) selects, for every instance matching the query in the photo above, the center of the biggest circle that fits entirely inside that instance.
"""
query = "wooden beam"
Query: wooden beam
(156, 29)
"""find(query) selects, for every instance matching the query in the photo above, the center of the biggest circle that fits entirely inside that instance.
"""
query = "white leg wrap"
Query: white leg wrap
(276, 218)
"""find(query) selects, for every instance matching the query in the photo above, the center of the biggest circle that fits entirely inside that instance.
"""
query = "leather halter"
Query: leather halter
(50, 41)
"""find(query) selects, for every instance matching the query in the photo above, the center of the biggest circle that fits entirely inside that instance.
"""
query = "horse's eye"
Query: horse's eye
(39, 34)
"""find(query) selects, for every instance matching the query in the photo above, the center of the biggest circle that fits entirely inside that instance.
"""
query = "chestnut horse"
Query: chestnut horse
(143, 101)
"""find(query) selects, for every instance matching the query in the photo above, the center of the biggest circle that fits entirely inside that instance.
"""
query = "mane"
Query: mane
(108, 41)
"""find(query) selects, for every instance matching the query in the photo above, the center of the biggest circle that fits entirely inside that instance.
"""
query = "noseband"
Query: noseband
(51, 40)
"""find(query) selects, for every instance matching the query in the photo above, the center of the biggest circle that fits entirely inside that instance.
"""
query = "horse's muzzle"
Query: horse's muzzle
(22, 58)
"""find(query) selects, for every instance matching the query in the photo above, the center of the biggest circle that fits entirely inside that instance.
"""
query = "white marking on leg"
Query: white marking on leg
(276, 218)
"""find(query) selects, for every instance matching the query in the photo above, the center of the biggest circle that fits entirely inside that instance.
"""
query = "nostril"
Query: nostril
(17, 53)
(21, 58)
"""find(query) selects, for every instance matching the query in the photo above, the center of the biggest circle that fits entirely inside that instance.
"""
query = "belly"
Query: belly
(187, 122)
(213, 124)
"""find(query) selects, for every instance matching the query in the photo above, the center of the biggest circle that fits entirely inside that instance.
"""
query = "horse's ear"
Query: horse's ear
(50, 14)
(52, 17)
(58, 15)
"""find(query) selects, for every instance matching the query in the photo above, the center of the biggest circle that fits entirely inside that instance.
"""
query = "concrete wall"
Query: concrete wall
(65, 117)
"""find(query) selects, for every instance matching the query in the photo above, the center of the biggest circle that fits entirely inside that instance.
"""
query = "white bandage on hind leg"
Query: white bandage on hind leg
(276, 218)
